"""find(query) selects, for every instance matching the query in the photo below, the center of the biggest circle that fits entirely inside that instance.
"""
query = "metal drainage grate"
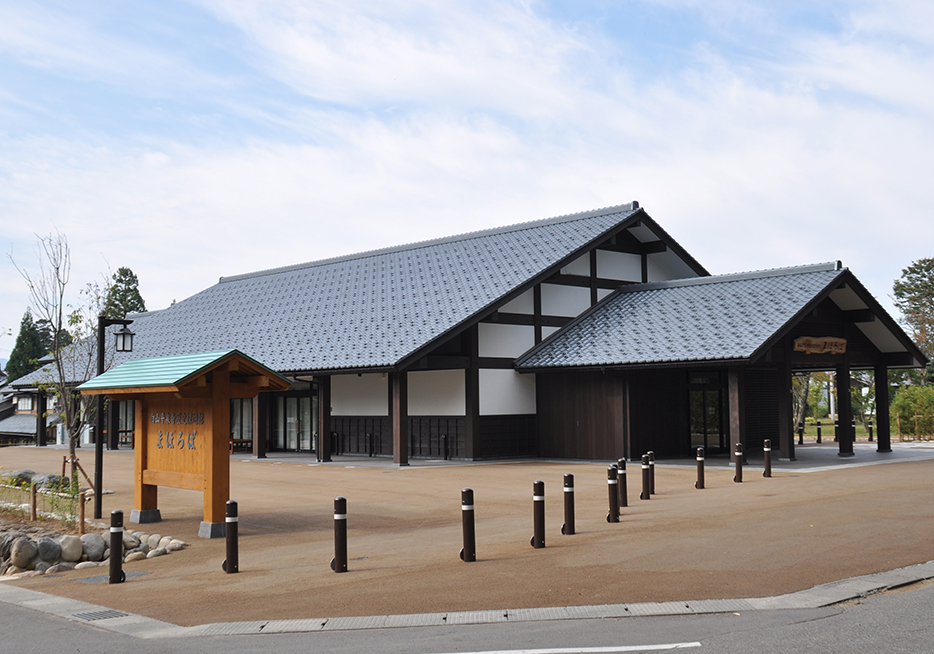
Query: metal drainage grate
(91, 616)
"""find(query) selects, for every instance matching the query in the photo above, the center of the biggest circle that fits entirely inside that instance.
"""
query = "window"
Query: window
(241, 420)
(24, 403)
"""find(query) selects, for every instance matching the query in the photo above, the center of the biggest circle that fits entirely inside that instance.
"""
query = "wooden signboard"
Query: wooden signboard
(183, 425)
(820, 345)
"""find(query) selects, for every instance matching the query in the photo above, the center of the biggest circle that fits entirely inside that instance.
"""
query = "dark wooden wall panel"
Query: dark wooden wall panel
(507, 436)
(580, 415)
(761, 408)
(437, 437)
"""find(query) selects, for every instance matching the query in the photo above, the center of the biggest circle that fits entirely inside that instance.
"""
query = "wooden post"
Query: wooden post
(217, 458)
(786, 432)
(399, 417)
(82, 498)
(736, 402)
(33, 514)
(260, 423)
(113, 425)
(883, 428)
(324, 419)
(146, 496)
(844, 410)
(472, 395)
(42, 431)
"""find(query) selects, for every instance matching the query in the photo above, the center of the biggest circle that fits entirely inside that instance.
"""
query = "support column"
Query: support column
(883, 431)
(260, 424)
(736, 403)
(627, 421)
(844, 410)
(786, 419)
(324, 419)
(113, 425)
(42, 432)
(217, 458)
(472, 395)
(399, 417)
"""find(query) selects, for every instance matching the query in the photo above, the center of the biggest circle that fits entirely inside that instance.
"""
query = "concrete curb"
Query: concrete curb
(142, 627)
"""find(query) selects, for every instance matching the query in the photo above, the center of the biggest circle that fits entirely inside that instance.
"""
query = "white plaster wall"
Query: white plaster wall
(663, 266)
(366, 395)
(569, 301)
(602, 293)
(619, 265)
(506, 392)
(524, 304)
(548, 331)
(498, 340)
(580, 266)
(437, 393)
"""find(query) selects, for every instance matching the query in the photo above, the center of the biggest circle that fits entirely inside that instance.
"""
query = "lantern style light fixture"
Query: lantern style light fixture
(124, 339)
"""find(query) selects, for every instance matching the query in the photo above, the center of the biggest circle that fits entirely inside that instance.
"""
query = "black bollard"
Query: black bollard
(469, 552)
(818, 431)
(117, 575)
(651, 472)
(232, 523)
(836, 431)
(339, 562)
(646, 483)
(738, 477)
(568, 527)
(869, 429)
(612, 483)
(767, 452)
(800, 433)
(699, 484)
(538, 514)
(623, 491)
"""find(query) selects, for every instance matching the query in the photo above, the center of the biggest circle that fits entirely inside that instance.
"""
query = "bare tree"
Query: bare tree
(73, 330)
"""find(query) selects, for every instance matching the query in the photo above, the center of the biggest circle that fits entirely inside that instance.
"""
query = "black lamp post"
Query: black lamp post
(124, 344)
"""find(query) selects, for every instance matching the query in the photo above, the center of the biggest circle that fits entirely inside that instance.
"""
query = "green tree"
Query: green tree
(914, 297)
(32, 343)
(123, 295)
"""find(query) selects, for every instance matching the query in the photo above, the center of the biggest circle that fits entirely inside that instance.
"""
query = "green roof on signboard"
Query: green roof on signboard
(164, 371)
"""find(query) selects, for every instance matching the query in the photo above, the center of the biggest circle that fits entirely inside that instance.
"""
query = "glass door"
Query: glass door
(296, 422)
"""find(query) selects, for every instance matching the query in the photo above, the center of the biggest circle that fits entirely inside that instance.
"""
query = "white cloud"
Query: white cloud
(465, 118)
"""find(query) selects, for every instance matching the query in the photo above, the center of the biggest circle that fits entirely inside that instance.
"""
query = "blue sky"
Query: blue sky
(191, 140)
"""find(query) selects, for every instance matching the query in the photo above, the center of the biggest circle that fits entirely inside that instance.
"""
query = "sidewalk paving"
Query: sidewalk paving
(782, 542)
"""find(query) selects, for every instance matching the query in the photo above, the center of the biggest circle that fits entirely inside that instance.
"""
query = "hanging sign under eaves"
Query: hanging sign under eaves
(820, 345)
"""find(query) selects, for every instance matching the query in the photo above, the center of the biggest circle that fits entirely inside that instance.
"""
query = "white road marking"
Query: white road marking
(593, 650)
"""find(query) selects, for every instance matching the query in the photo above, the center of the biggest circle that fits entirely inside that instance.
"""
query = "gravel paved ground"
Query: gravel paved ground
(762, 537)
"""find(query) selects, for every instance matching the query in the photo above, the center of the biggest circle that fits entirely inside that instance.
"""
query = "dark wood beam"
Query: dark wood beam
(845, 432)
(399, 416)
(472, 396)
(324, 418)
(500, 363)
(883, 429)
(585, 282)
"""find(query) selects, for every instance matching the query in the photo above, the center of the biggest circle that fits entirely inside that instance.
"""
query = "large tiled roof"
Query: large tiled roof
(725, 317)
(374, 309)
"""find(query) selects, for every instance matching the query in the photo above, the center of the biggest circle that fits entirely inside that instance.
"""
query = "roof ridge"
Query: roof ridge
(620, 208)
(829, 266)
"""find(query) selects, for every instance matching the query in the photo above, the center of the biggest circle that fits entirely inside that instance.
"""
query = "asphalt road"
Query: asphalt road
(890, 623)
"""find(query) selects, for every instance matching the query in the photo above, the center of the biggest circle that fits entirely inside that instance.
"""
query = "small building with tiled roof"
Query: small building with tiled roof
(497, 343)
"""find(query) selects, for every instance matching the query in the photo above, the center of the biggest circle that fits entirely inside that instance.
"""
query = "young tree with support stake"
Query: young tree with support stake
(73, 346)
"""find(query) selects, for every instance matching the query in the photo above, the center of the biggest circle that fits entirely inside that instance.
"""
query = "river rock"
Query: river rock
(60, 567)
(134, 556)
(87, 564)
(153, 541)
(72, 548)
(163, 542)
(49, 549)
(22, 552)
(7, 542)
(41, 566)
(94, 546)
(130, 542)
(156, 552)
(176, 545)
